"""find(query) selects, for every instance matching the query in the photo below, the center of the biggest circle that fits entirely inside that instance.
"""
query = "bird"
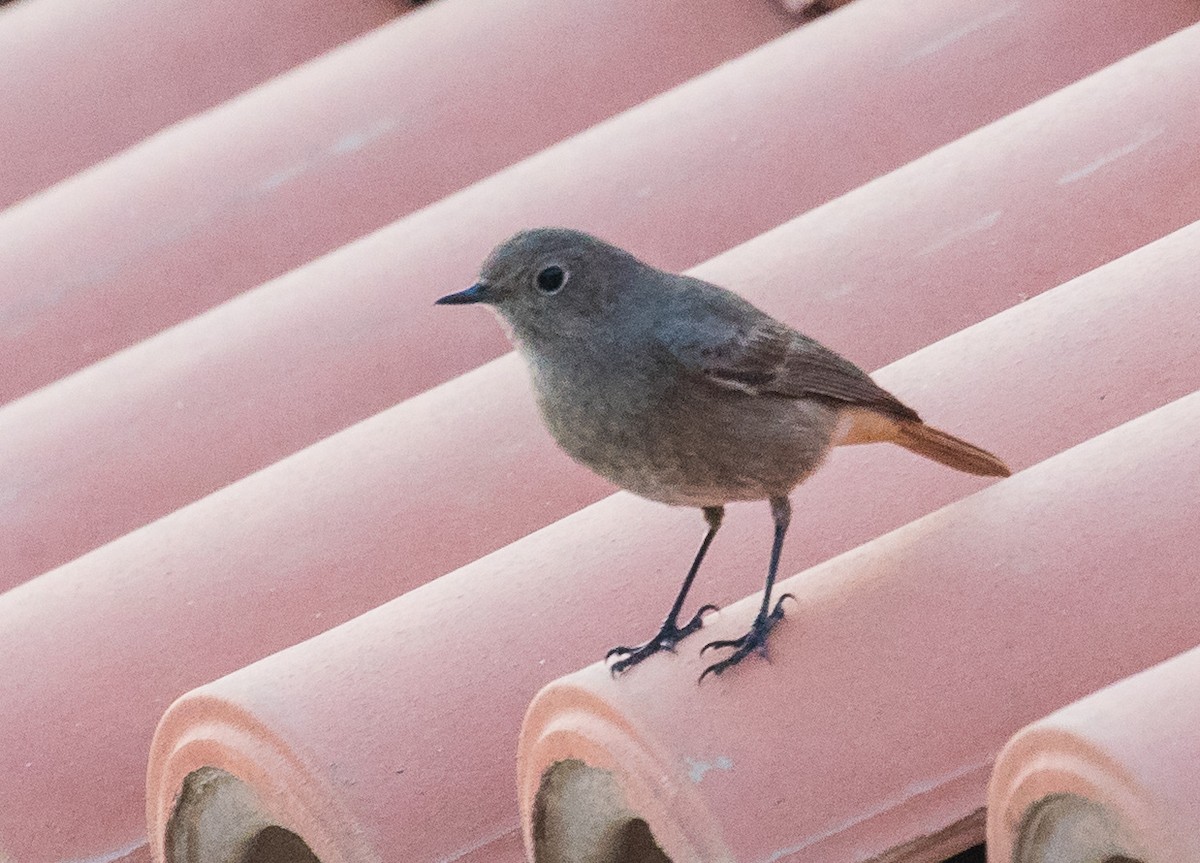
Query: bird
(683, 392)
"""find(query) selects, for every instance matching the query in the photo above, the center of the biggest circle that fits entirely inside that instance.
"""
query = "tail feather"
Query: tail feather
(947, 449)
(862, 425)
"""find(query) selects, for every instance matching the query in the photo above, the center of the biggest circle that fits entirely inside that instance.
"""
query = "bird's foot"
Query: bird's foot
(754, 641)
(666, 639)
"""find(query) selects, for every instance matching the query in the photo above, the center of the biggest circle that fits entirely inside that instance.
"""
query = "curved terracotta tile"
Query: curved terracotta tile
(1111, 776)
(84, 80)
(968, 229)
(901, 670)
(319, 156)
(439, 679)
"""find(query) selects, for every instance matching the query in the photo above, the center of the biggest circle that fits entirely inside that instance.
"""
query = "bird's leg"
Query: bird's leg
(671, 632)
(764, 622)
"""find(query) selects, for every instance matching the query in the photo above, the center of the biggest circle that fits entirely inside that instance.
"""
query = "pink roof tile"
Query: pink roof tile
(464, 646)
(354, 332)
(84, 80)
(313, 159)
(901, 670)
(438, 678)
(1112, 775)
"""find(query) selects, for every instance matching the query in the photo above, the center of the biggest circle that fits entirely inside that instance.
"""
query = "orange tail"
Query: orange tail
(867, 426)
(948, 450)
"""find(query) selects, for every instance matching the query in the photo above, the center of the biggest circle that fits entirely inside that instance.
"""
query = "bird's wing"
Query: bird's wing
(756, 354)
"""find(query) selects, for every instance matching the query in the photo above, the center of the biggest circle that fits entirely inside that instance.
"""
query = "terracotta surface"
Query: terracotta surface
(1111, 775)
(333, 149)
(85, 79)
(435, 683)
(902, 668)
(969, 229)
(811, 8)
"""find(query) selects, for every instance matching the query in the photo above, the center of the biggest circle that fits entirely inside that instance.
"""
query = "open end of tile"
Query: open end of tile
(218, 819)
(1066, 828)
(581, 816)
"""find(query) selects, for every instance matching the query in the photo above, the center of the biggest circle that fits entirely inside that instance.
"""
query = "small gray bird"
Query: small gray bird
(685, 393)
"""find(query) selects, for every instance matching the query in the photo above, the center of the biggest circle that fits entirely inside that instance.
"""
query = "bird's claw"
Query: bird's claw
(667, 638)
(754, 641)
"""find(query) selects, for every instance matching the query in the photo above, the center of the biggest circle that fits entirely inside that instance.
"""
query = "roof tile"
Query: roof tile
(1110, 776)
(439, 677)
(968, 229)
(86, 80)
(901, 669)
(342, 526)
(315, 158)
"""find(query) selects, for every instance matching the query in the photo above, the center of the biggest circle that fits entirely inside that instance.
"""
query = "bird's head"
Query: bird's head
(554, 284)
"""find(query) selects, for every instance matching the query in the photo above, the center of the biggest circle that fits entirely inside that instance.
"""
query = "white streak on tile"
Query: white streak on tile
(109, 856)
(913, 790)
(475, 846)
(280, 177)
(697, 767)
(1133, 146)
(357, 140)
(834, 292)
(965, 30)
(981, 224)
(351, 142)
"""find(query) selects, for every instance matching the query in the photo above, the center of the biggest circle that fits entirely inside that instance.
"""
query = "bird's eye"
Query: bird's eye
(551, 279)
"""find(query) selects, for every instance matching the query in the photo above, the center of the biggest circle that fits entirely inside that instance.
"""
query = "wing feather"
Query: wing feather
(731, 344)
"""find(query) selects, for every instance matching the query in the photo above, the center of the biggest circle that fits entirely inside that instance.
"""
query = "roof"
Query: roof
(251, 471)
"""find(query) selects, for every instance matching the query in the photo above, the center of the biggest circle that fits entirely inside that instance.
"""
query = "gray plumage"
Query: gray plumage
(683, 392)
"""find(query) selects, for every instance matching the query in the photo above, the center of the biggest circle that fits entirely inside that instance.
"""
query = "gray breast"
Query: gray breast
(680, 440)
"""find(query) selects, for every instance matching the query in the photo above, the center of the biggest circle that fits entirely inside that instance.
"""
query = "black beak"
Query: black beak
(477, 293)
